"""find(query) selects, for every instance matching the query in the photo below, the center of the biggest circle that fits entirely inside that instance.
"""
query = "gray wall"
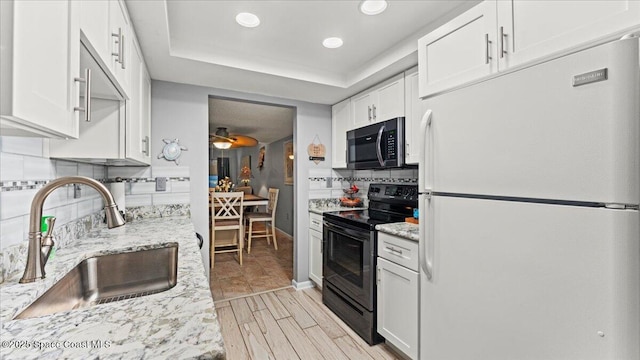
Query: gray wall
(181, 111)
(270, 176)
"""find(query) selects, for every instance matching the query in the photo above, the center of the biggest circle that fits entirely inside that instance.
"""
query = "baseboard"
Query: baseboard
(302, 285)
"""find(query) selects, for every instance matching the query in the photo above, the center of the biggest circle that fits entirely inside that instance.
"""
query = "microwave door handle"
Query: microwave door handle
(378, 144)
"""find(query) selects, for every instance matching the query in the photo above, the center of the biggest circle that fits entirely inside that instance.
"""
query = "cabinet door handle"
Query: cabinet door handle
(369, 112)
(378, 277)
(487, 58)
(374, 112)
(503, 52)
(120, 43)
(122, 52)
(394, 250)
(145, 145)
(87, 95)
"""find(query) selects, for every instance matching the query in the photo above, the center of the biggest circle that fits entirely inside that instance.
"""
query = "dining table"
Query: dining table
(252, 200)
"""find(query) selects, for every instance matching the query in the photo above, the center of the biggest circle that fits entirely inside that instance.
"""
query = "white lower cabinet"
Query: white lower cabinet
(315, 248)
(398, 293)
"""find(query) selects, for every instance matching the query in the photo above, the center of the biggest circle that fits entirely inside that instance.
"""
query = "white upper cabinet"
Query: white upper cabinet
(121, 35)
(383, 102)
(94, 24)
(390, 99)
(40, 46)
(340, 123)
(138, 114)
(497, 35)
(118, 130)
(533, 29)
(415, 108)
(108, 35)
(362, 111)
(459, 51)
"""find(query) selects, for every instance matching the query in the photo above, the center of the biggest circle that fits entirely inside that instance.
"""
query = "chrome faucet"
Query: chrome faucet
(40, 246)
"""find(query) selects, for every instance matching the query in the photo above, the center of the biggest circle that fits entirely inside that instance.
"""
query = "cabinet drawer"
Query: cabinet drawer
(398, 250)
(315, 221)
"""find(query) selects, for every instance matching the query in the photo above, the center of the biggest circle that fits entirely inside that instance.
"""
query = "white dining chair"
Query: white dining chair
(226, 214)
(268, 218)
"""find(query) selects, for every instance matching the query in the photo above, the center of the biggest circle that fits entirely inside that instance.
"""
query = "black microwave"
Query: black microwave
(377, 146)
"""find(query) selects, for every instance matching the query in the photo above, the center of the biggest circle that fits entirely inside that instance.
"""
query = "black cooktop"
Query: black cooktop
(388, 203)
(362, 218)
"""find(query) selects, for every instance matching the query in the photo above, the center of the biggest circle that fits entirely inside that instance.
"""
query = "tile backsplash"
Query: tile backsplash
(25, 167)
(328, 183)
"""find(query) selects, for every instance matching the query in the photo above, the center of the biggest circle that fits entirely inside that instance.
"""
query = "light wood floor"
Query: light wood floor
(290, 324)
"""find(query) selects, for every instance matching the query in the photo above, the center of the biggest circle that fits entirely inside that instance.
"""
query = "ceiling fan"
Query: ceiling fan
(223, 140)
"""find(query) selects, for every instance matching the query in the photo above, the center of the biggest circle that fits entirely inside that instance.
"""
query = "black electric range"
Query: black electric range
(349, 254)
(388, 203)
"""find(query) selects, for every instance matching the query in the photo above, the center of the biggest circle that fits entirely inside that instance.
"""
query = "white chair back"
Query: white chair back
(227, 205)
(273, 201)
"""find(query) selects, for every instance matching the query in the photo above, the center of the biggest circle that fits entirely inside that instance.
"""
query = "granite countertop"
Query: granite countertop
(324, 209)
(178, 323)
(403, 229)
(320, 206)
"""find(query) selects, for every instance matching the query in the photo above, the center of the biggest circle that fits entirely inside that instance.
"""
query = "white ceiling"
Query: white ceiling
(199, 42)
(264, 122)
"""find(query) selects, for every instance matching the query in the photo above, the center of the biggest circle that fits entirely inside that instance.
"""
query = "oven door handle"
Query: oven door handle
(378, 143)
(343, 230)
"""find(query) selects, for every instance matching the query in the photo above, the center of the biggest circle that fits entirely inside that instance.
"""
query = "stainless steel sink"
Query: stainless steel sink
(108, 278)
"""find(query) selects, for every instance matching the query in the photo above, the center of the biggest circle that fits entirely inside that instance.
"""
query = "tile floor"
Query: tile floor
(290, 324)
(262, 270)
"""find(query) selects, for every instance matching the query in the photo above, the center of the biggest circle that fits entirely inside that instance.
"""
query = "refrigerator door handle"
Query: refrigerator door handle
(378, 144)
(425, 124)
(426, 225)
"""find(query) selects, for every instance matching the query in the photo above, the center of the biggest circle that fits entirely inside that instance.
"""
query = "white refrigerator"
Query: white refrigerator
(529, 222)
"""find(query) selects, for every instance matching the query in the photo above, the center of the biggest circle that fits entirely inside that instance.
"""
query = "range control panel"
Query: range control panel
(393, 191)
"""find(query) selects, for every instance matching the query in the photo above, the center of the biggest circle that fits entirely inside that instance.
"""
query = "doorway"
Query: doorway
(254, 168)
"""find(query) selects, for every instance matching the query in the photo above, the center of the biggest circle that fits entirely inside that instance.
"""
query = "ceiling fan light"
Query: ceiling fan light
(373, 7)
(222, 144)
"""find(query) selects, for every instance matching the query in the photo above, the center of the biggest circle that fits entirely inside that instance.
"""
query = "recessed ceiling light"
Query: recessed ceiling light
(247, 20)
(373, 7)
(332, 42)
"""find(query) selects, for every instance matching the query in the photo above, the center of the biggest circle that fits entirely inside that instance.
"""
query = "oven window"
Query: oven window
(345, 258)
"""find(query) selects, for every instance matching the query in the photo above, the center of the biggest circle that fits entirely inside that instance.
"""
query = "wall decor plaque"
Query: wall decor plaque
(316, 150)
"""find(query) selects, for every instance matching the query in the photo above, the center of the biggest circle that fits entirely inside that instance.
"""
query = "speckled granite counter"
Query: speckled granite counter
(320, 206)
(324, 209)
(402, 229)
(176, 324)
